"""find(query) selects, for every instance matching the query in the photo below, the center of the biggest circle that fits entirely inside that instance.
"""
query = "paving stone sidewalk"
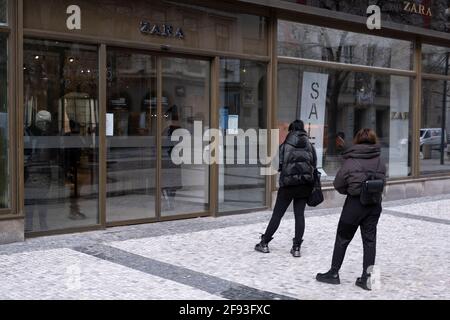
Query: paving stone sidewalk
(213, 258)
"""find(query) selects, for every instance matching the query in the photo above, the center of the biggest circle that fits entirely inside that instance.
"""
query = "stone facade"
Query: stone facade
(12, 231)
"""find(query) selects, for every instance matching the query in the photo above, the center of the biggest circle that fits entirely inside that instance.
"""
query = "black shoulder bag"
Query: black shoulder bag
(316, 197)
(372, 188)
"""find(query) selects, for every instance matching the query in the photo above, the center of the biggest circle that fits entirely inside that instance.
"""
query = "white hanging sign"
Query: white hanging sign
(314, 94)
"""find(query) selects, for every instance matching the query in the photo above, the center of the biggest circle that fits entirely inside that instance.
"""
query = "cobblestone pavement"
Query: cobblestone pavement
(214, 259)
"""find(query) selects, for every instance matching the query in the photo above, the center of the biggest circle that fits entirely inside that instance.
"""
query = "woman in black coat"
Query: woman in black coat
(360, 161)
(298, 162)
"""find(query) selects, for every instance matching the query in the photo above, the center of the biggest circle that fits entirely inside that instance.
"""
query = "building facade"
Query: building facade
(92, 94)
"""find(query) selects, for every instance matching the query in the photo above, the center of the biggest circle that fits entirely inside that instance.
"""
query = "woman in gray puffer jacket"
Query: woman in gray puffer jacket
(298, 162)
(360, 161)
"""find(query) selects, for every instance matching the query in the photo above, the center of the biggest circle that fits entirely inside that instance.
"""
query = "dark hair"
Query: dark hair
(297, 125)
(366, 136)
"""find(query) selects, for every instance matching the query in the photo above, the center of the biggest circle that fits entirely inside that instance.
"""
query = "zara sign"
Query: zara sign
(163, 30)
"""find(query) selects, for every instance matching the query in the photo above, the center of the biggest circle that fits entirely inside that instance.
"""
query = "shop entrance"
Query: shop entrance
(149, 98)
(79, 174)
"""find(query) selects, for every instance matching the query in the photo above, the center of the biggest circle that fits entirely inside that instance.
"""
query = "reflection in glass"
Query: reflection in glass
(318, 43)
(4, 128)
(435, 59)
(353, 101)
(434, 133)
(61, 135)
(185, 101)
(3, 11)
(243, 105)
(131, 136)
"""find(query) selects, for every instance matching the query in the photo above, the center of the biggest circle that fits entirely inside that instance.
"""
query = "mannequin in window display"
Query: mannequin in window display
(38, 175)
(171, 173)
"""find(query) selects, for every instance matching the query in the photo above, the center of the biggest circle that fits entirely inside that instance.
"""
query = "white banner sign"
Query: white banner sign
(312, 113)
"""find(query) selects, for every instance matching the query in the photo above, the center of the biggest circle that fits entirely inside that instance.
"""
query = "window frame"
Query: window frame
(428, 76)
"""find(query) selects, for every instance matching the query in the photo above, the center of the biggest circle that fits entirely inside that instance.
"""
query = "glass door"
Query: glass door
(185, 117)
(152, 99)
(131, 121)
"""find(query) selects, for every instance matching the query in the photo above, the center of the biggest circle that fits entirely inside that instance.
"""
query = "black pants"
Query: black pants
(355, 215)
(284, 199)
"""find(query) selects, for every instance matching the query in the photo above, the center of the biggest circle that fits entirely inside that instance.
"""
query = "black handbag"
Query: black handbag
(316, 198)
(372, 188)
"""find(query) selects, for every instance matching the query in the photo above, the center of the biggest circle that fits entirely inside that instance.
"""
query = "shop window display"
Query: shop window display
(61, 135)
(350, 101)
(336, 102)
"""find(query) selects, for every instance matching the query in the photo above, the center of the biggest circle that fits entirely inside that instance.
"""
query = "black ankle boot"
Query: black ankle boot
(364, 282)
(263, 246)
(331, 277)
(295, 251)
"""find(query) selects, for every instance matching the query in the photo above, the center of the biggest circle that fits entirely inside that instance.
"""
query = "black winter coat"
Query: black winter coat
(359, 160)
(298, 160)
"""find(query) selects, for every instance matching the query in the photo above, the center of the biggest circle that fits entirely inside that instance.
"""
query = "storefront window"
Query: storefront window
(428, 14)
(435, 59)
(4, 127)
(434, 134)
(3, 11)
(243, 90)
(61, 135)
(317, 43)
(335, 104)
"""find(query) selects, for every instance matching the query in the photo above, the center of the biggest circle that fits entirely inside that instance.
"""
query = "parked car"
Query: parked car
(431, 139)
(432, 136)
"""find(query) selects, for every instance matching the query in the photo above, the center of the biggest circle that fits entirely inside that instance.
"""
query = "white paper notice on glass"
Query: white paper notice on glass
(110, 124)
(233, 124)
